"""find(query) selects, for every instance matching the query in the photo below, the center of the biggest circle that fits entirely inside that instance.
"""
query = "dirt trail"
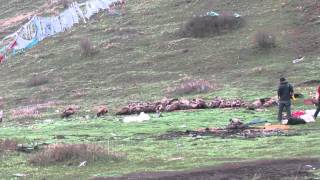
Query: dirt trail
(262, 169)
(49, 8)
(14, 20)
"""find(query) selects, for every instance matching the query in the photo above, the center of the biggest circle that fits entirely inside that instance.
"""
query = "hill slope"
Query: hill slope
(147, 56)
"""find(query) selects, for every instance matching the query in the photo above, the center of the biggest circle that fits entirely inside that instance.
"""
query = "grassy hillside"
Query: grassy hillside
(147, 56)
(139, 56)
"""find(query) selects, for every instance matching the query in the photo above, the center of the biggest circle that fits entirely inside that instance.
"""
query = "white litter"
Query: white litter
(310, 112)
(307, 118)
(297, 60)
(142, 117)
(82, 164)
(20, 175)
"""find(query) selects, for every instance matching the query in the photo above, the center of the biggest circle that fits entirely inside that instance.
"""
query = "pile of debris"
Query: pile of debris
(169, 105)
(236, 128)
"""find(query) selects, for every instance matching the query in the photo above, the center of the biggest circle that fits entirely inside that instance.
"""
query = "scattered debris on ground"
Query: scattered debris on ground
(236, 128)
(12, 145)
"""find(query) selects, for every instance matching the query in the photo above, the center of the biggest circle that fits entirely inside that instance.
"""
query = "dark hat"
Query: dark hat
(282, 79)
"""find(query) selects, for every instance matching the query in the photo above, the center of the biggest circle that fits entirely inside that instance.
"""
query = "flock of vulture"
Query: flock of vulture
(169, 105)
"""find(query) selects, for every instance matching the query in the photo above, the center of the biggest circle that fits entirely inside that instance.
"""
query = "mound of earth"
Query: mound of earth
(259, 170)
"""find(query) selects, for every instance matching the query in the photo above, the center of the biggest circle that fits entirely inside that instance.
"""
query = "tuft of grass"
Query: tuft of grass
(264, 40)
(73, 153)
(37, 80)
(86, 47)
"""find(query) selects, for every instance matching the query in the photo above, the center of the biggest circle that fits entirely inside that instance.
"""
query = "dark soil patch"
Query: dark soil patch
(262, 169)
(224, 133)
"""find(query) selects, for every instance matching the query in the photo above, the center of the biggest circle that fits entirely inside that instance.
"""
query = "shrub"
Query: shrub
(73, 153)
(203, 26)
(191, 86)
(7, 145)
(86, 47)
(37, 80)
(265, 40)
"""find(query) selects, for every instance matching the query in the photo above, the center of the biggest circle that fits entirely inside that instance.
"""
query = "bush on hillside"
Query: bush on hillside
(203, 26)
(73, 154)
(264, 40)
(37, 80)
(191, 86)
(86, 47)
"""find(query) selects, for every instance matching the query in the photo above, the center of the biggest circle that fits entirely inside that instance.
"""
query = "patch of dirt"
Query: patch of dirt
(48, 8)
(259, 170)
(225, 133)
(14, 20)
(236, 128)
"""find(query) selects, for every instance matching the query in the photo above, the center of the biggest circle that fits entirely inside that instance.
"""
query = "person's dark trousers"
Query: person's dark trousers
(282, 105)
(318, 110)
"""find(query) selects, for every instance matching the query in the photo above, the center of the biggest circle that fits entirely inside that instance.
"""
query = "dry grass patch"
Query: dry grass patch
(86, 48)
(32, 111)
(264, 40)
(37, 80)
(73, 154)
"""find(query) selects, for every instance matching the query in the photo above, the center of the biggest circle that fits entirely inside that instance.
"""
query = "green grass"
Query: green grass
(145, 60)
(145, 153)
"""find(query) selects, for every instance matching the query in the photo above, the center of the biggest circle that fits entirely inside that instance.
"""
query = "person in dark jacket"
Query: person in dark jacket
(285, 92)
(318, 103)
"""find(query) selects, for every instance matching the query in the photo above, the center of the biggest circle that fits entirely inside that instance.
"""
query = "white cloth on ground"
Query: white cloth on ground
(142, 117)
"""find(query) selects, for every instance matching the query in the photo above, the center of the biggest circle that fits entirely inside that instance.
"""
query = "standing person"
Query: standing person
(285, 92)
(318, 103)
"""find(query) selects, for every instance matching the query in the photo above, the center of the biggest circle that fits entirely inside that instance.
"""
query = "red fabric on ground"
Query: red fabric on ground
(297, 114)
(1, 58)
